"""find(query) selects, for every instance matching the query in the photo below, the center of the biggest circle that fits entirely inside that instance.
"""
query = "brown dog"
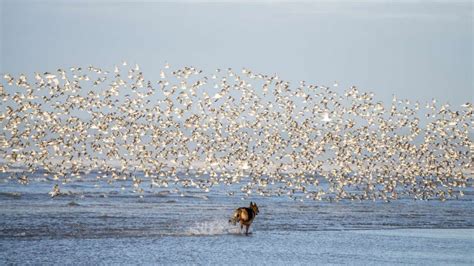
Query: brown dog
(245, 216)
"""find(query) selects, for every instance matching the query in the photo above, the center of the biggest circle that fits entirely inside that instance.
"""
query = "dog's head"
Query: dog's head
(254, 207)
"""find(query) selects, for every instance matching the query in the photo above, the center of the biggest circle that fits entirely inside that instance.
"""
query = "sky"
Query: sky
(417, 50)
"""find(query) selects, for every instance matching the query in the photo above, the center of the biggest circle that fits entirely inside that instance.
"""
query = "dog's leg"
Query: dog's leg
(241, 227)
(247, 230)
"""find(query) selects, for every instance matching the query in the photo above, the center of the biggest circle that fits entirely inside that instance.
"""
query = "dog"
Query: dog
(245, 216)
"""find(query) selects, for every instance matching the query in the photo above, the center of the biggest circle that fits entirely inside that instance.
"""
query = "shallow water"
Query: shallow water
(96, 223)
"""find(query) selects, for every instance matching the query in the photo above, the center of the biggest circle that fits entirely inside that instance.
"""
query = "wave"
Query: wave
(16, 195)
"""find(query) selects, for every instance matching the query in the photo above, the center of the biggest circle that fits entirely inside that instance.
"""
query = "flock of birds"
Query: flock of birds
(271, 137)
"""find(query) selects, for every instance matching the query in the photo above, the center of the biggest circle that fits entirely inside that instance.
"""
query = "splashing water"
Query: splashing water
(215, 227)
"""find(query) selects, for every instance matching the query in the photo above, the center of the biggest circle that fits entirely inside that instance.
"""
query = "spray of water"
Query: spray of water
(215, 227)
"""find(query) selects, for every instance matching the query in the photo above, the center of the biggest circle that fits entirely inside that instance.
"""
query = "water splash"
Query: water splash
(209, 228)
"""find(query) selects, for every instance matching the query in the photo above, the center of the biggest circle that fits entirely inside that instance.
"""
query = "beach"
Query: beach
(99, 223)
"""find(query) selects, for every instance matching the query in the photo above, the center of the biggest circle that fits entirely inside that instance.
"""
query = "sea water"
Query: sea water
(94, 222)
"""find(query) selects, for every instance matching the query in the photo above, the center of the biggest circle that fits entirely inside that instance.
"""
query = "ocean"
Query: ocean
(94, 222)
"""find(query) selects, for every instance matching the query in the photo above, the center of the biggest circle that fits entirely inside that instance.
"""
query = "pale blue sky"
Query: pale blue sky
(414, 49)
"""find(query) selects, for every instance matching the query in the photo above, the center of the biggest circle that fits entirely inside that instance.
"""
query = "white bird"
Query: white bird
(55, 192)
(326, 118)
